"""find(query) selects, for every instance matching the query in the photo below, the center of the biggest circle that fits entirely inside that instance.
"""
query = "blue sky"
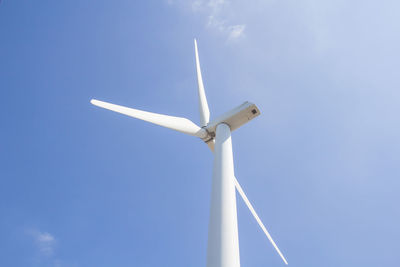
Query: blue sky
(81, 186)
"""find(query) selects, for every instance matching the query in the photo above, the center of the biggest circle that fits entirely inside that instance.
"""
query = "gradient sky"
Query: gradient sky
(81, 186)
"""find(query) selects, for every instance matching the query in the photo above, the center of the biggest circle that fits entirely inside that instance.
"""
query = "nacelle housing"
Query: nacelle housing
(234, 118)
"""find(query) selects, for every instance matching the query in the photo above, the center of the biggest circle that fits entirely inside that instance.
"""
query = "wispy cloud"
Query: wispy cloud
(44, 241)
(218, 15)
(236, 31)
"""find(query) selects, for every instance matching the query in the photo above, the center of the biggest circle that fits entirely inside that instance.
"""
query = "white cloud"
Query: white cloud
(236, 31)
(218, 14)
(44, 241)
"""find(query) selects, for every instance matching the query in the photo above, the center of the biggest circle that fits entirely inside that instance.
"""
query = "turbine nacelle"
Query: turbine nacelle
(233, 118)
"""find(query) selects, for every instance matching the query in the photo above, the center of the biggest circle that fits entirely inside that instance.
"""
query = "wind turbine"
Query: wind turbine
(223, 242)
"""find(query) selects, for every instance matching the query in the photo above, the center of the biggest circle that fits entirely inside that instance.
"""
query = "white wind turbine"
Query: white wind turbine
(223, 242)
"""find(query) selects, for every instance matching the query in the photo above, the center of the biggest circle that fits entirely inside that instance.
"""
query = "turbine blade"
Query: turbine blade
(246, 200)
(175, 123)
(211, 145)
(203, 106)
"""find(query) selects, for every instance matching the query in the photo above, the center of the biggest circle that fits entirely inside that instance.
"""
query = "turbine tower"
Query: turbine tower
(223, 241)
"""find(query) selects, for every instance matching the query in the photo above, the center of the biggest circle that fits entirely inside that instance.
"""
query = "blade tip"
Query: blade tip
(94, 101)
